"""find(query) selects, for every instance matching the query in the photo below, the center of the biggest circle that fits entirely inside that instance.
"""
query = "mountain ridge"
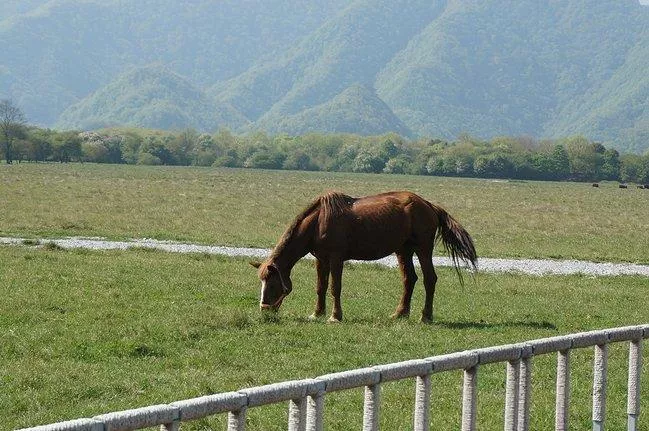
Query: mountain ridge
(441, 68)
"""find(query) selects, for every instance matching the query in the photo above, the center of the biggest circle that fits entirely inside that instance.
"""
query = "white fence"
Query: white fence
(306, 397)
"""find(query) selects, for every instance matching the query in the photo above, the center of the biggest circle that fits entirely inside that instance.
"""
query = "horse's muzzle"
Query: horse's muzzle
(273, 307)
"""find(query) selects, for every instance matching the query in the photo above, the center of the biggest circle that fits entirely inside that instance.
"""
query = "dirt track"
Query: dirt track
(525, 266)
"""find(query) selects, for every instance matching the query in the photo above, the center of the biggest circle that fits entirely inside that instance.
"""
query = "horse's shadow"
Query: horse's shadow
(487, 325)
(443, 323)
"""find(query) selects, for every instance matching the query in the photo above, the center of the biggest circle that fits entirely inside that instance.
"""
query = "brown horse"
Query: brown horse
(336, 227)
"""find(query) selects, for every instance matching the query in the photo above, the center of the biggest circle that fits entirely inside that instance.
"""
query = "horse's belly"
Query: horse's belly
(368, 254)
(373, 249)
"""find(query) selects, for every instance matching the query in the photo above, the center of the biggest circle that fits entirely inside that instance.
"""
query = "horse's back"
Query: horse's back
(382, 224)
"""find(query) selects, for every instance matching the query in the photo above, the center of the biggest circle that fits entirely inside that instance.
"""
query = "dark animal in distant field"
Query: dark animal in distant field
(622, 186)
(336, 227)
(646, 186)
(595, 185)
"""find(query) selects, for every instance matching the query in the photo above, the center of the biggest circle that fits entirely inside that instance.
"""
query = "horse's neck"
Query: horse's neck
(295, 247)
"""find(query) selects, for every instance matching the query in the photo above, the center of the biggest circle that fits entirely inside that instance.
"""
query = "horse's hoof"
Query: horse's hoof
(427, 320)
(314, 317)
(333, 320)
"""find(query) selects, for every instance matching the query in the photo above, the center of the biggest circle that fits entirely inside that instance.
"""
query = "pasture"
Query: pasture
(252, 207)
(87, 332)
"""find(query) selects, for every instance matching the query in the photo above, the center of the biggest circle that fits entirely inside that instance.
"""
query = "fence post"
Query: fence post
(525, 389)
(563, 391)
(237, 420)
(635, 368)
(371, 407)
(469, 398)
(297, 414)
(422, 403)
(171, 426)
(315, 412)
(600, 365)
(511, 395)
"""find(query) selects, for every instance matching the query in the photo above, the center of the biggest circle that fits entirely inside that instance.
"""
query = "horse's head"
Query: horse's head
(275, 285)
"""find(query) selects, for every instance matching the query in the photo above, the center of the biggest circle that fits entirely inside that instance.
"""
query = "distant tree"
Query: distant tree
(298, 160)
(460, 159)
(643, 174)
(344, 161)
(99, 148)
(12, 122)
(129, 146)
(367, 161)
(155, 147)
(583, 158)
(229, 159)
(39, 144)
(205, 152)
(630, 167)
(386, 150)
(182, 146)
(397, 165)
(264, 159)
(66, 147)
(494, 165)
(610, 169)
(560, 162)
(94, 151)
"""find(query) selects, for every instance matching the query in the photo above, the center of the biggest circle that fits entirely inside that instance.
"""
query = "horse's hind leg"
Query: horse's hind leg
(409, 277)
(430, 279)
(322, 269)
(336, 266)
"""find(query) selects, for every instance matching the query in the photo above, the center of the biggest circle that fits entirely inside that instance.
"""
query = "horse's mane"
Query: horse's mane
(332, 205)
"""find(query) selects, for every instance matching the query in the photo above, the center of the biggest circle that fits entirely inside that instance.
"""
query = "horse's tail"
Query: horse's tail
(456, 240)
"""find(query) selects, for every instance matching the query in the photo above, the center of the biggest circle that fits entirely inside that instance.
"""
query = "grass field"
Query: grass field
(84, 333)
(252, 208)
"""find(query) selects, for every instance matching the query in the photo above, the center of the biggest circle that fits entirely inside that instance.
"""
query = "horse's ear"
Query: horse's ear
(255, 264)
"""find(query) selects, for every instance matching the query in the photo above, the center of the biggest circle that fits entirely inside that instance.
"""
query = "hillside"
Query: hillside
(355, 110)
(150, 97)
(61, 52)
(438, 68)
(522, 69)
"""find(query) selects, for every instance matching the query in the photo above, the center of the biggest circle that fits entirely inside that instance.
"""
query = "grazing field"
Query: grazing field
(87, 332)
(252, 207)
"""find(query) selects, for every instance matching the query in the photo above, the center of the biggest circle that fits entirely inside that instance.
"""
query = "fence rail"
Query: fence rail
(305, 398)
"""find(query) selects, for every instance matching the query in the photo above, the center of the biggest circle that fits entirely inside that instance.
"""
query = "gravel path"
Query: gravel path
(525, 266)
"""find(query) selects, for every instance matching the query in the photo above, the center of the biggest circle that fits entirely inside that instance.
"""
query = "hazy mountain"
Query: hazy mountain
(355, 110)
(152, 97)
(545, 68)
(16, 7)
(63, 51)
(521, 67)
(350, 48)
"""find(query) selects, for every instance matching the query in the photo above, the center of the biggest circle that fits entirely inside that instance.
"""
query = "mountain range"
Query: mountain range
(420, 68)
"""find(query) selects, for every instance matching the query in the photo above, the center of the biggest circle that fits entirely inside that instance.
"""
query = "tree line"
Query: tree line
(573, 158)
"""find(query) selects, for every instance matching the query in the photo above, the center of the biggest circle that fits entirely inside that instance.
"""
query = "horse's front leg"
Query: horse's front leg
(336, 267)
(322, 269)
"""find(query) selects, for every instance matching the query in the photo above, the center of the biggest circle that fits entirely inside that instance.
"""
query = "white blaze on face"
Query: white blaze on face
(263, 290)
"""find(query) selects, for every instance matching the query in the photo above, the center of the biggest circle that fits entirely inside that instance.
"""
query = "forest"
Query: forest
(573, 158)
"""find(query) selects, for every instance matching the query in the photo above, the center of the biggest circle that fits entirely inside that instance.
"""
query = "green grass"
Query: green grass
(252, 207)
(86, 332)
